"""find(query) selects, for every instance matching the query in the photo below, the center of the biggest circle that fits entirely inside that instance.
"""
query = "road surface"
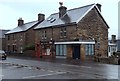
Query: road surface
(17, 68)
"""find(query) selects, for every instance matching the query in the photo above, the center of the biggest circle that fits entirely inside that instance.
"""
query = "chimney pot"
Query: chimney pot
(62, 9)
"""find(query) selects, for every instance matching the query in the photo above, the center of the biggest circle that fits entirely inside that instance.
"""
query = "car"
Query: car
(3, 55)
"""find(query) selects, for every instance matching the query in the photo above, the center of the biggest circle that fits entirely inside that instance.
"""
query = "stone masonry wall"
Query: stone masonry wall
(20, 39)
(93, 27)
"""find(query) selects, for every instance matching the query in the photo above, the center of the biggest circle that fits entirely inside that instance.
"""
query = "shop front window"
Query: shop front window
(61, 50)
(89, 49)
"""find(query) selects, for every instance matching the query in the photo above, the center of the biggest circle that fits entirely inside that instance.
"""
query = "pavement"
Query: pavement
(59, 59)
(56, 69)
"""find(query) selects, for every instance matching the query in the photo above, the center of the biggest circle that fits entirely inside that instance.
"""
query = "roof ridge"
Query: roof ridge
(80, 7)
(75, 8)
(4, 29)
(29, 22)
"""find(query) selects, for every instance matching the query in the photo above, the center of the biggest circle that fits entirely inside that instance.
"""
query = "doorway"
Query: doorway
(76, 51)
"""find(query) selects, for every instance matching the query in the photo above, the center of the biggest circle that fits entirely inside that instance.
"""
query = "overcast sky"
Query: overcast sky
(119, 20)
(12, 10)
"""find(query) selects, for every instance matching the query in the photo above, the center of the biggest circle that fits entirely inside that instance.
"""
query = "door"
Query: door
(76, 51)
(48, 51)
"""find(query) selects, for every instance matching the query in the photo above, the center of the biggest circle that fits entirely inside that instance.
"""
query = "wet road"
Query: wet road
(15, 68)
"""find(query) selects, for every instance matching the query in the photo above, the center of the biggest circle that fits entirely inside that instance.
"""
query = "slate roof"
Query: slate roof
(2, 33)
(71, 16)
(22, 28)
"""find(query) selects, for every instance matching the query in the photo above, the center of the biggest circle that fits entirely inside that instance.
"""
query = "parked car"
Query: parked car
(3, 55)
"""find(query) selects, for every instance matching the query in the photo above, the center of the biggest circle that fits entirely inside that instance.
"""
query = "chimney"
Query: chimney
(41, 17)
(99, 6)
(113, 38)
(20, 22)
(62, 9)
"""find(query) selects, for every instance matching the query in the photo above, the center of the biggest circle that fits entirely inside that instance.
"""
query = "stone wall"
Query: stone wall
(92, 27)
(20, 39)
(17, 39)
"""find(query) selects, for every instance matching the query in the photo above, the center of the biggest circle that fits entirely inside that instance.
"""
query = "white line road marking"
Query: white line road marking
(85, 67)
(76, 66)
(57, 73)
(42, 69)
(50, 71)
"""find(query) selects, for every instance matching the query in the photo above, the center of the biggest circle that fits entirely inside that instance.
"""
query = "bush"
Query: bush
(29, 47)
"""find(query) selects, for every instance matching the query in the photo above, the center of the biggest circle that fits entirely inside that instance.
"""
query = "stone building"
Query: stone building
(75, 34)
(2, 39)
(22, 35)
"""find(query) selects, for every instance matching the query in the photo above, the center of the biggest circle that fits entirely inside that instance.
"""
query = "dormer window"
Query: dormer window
(49, 19)
(52, 20)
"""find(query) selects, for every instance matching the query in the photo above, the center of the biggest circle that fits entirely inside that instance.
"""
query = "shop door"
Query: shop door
(76, 51)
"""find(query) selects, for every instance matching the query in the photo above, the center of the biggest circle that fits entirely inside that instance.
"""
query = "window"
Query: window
(109, 48)
(27, 37)
(113, 48)
(44, 35)
(98, 45)
(21, 49)
(8, 48)
(63, 32)
(49, 19)
(22, 35)
(61, 50)
(14, 48)
(8, 37)
(13, 37)
(52, 20)
(89, 49)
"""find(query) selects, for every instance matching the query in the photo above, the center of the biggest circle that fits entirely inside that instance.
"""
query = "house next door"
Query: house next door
(76, 51)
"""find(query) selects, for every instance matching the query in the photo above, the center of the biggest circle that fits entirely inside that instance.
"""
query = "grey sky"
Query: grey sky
(11, 10)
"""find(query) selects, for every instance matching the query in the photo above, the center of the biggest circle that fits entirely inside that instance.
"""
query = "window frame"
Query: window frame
(44, 34)
(63, 32)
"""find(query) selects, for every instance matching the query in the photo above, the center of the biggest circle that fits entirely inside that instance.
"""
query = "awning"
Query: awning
(74, 42)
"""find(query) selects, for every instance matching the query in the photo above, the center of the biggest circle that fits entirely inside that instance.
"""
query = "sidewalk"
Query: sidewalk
(58, 60)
